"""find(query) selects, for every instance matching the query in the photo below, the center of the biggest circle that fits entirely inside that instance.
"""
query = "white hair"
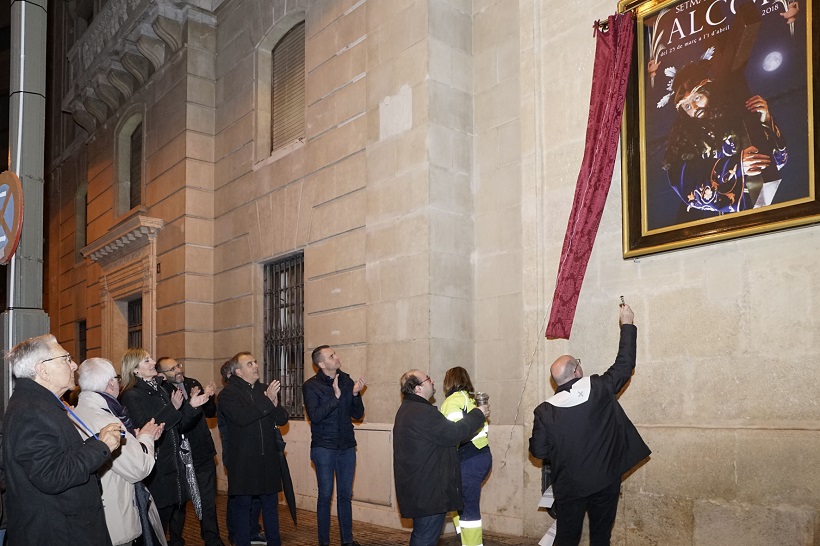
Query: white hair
(27, 354)
(94, 374)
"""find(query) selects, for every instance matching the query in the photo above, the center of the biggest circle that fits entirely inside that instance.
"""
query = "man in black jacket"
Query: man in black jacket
(425, 457)
(332, 399)
(202, 443)
(252, 412)
(53, 494)
(588, 440)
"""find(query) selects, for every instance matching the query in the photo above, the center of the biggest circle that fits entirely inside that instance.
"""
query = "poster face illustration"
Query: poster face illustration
(719, 128)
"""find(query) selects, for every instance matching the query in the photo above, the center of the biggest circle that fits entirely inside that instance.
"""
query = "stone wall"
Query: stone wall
(726, 333)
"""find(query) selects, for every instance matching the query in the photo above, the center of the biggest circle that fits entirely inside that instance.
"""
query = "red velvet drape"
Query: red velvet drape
(613, 55)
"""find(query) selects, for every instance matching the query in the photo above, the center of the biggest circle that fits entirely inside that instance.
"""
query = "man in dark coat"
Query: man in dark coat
(332, 400)
(202, 443)
(425, 457)
(257, 536)
(252, 412)
(589, 441)
(53, 494)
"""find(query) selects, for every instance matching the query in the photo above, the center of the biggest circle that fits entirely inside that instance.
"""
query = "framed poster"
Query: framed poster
(720, 135)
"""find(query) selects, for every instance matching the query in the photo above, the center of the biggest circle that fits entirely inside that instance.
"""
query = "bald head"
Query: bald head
(566, 368)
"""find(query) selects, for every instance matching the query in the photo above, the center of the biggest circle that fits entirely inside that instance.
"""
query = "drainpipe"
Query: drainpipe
(25, 317)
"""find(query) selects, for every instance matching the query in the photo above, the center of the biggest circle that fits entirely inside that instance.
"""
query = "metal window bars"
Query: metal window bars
(284, 330)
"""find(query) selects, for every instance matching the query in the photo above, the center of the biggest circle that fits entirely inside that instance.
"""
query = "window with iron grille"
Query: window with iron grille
(135, 323)
(288, 88)
(284, 330)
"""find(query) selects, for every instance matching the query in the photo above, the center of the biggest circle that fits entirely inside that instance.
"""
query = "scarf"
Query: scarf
(118, 410)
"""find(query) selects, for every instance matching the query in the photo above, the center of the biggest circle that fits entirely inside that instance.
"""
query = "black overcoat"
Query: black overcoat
(196, 429)
(167, 481)
(252, 456)
(425, 457)
(53, 494)
(584, 432)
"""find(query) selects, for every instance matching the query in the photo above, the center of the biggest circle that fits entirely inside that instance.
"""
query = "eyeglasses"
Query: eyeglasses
(426, 380)
(66, 358)
(118, 377)
(577, 363)
(177, 367)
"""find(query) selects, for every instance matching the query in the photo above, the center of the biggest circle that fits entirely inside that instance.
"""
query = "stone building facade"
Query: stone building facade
(427, 194)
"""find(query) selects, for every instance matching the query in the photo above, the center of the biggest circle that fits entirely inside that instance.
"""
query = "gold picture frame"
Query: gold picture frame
(720, 133)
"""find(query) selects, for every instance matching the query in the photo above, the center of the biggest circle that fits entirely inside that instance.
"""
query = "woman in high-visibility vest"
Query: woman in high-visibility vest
(475, 457)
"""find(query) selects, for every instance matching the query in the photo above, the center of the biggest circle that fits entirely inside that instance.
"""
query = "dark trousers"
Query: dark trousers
(206, 479)
(270, 515)
(601, 507)
(473, 473)
(256, 511)
(340, 463)
(173, 521)
(427, 530)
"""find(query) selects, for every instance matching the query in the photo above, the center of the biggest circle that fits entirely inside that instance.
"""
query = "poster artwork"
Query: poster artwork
(725, 110)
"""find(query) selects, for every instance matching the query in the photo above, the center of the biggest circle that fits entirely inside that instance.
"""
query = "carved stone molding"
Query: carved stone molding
(123, 239)
(82, 117)
(127, 272)
(122, 82)
(125, 44)
(170, 31)
(97, 107)
(153, 49)
(138, 66)
(108, 94)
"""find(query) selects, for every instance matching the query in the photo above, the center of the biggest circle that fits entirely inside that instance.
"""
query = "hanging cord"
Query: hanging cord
(524, 387)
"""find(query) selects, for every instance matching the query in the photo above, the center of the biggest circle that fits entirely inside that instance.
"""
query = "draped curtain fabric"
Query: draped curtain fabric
(613, 55)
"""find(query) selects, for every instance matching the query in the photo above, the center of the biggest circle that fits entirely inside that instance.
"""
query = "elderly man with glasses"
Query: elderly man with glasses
(425, 457)
(52, 488)
(124, 495)
(588, 440)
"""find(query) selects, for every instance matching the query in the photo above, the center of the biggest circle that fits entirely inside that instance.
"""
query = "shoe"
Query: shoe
(259, 539)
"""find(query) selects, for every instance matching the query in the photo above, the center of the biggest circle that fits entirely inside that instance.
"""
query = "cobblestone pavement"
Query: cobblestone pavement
(305, 533)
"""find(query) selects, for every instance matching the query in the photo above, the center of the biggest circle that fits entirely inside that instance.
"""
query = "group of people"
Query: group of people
(442, 458)
(121, 466)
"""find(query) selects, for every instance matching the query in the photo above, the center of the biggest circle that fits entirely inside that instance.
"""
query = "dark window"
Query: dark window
(284, 330)
(136, 167)
(81, 341)
(135, 323)
(84, 213)
(288, 88)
